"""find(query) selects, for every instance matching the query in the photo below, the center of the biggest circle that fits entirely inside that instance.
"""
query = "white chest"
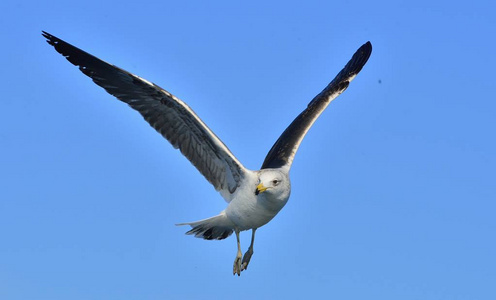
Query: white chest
(249, 211)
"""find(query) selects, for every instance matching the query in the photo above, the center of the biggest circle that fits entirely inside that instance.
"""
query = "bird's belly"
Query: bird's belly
(248, 214)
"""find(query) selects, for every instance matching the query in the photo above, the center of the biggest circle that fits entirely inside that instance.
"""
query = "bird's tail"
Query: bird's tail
(214, 228)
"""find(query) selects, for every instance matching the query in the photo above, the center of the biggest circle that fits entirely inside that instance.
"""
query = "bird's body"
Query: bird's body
(248, 210)
(254, 197)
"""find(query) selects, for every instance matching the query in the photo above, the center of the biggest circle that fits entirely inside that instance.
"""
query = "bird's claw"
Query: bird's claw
(246, 260)
(237, 268)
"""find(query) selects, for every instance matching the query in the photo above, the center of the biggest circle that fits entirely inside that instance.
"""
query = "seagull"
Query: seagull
(254, 197)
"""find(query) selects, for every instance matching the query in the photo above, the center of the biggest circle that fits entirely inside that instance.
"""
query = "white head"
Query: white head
(273, 184)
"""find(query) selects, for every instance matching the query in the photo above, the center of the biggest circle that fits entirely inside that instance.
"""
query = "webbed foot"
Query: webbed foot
(237, 265)
(246, 259)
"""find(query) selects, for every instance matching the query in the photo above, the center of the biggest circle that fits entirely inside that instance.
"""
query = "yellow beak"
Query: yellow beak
(260, 189)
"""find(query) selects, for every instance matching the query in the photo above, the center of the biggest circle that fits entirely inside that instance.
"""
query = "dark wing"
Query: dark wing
(171, 117)
(284, 149)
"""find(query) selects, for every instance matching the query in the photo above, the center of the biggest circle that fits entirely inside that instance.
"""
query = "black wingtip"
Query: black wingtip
(46, 34)
(52, 40)
(359, 59)
(368, 45)
(366, 50)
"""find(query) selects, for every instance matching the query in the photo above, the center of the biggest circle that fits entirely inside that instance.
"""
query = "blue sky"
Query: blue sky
(393, 189)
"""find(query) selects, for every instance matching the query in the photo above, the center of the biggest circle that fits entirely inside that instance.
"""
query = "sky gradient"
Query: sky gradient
(393, 188)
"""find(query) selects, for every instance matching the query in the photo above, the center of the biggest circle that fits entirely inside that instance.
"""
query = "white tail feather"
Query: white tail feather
(214, 228)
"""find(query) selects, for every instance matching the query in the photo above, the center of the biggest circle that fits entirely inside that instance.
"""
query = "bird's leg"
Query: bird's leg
(249, 253)
(237, 261)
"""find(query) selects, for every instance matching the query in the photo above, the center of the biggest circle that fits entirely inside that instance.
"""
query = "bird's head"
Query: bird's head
(274, 183)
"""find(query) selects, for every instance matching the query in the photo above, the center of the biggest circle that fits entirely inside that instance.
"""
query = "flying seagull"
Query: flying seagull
(253, 197)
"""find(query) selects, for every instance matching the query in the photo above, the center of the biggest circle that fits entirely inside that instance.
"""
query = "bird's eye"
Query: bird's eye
(275, 182)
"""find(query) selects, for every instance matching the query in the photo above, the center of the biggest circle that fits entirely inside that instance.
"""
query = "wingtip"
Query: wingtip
(361, 57)
(50, 39)
(45, 34)
(367, 47)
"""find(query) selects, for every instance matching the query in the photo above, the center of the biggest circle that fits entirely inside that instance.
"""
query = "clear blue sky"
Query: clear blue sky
(393, 189)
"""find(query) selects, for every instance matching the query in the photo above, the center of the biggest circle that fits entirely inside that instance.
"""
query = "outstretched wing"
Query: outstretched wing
(283, 151)
(171, 117)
